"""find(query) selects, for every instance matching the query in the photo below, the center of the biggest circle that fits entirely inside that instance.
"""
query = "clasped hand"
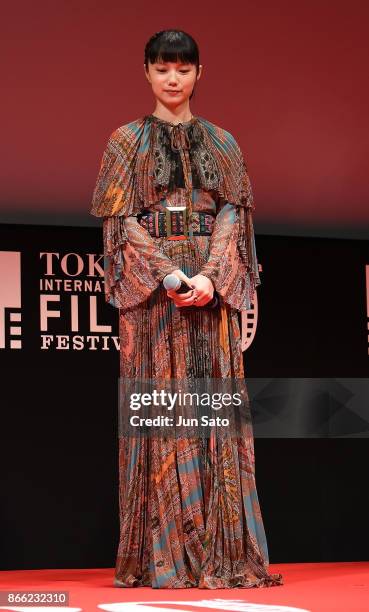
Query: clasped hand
(201, 294)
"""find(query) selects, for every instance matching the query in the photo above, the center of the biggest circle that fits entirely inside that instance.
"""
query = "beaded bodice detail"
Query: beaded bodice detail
(176, 147)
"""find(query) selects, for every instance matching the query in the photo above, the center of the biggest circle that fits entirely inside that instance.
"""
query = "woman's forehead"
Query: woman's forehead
(172, 63)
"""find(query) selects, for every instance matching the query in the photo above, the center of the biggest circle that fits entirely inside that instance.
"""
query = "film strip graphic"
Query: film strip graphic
(249, 321)
(10, 300)
(367, 301)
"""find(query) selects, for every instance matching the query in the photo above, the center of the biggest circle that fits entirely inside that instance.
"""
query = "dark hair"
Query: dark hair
(172, 46)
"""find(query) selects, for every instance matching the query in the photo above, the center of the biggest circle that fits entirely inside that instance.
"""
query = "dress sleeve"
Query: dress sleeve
(134, 265)
(232, 264)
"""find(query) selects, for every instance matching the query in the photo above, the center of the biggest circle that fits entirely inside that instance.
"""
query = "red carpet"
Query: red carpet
(316, 587)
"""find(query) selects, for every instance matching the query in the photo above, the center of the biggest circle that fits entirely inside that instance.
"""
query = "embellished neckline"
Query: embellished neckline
(184, 124)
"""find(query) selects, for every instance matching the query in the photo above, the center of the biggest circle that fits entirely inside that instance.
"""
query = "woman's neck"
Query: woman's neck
(182, 116)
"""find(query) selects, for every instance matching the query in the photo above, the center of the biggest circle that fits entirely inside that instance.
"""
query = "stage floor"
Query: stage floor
(315, 587)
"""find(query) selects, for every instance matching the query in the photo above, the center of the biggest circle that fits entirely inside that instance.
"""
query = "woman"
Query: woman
(189, 511)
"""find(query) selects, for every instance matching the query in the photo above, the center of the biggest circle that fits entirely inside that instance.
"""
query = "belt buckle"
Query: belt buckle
(169, 211)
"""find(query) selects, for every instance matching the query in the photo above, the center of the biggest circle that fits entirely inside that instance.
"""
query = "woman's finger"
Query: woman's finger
(186, 295)
(187, 302)
(201, 302)
(179, 296)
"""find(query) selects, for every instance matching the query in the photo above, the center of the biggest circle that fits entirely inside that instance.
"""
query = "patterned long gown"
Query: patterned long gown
(189, 514)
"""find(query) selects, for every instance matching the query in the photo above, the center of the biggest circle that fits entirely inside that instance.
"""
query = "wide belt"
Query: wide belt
(173, 223)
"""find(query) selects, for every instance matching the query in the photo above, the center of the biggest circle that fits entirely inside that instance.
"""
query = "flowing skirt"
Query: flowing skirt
(189, 509)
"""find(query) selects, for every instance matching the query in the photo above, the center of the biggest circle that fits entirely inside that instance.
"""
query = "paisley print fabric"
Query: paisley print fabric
(189, 509)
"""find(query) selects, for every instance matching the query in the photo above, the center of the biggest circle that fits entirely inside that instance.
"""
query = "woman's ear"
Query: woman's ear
(147, 73)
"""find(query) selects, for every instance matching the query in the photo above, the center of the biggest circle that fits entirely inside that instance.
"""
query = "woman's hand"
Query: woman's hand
(201, 294)
(182, 299)
(204, 288)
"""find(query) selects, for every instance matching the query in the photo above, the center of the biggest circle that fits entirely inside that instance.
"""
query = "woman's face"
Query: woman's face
(172, 82)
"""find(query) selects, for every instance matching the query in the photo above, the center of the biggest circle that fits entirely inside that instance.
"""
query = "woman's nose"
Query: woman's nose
(173, 79)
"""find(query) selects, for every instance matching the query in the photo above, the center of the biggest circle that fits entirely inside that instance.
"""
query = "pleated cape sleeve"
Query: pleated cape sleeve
(232, 264)
(133, 264)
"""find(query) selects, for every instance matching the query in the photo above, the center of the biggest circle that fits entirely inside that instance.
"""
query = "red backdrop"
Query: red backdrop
(287, 78)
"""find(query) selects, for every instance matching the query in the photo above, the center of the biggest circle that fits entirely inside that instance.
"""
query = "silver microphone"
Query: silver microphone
(171, 281)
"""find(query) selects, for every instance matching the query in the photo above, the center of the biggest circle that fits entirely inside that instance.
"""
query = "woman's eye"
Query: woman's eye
(182, 71)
